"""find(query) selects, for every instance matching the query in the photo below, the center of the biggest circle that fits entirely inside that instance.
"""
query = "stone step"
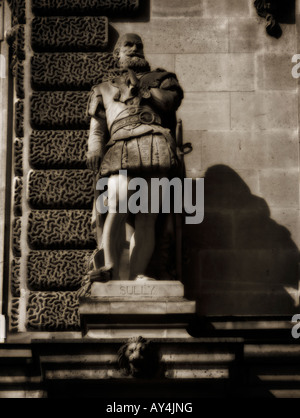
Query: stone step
(128, 289)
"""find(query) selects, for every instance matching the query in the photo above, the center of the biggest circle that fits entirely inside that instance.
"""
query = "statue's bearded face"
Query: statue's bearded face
(130, 53)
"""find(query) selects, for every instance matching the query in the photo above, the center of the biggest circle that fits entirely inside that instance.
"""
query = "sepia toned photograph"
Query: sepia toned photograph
(149, 202)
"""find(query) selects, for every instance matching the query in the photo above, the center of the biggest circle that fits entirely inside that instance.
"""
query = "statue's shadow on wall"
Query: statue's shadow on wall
(239, 261)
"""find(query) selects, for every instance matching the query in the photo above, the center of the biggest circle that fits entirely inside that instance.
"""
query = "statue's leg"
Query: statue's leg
(114, 226)
(113, 233)
(142, 244)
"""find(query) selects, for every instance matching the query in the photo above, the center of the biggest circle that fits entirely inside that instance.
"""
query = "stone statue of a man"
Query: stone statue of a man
(132, 128)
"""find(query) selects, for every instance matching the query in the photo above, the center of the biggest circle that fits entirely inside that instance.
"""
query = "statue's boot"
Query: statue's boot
(143, 277)
(96, 260)
(103, 274)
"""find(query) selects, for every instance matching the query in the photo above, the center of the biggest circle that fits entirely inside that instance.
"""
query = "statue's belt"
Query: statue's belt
(145, 117)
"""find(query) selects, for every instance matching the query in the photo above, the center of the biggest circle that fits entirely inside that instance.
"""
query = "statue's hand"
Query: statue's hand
(93, 162)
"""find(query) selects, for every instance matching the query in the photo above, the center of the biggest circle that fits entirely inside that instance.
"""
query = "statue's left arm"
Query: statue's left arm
(168, 96)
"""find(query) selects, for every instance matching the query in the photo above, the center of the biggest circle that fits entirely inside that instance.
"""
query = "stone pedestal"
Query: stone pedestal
(132, 308)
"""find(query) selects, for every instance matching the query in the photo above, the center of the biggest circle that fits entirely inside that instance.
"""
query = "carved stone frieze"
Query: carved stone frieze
(57, 270)
(77, 33)
(58, 149)
(60, 229)
(53, 311)
(59, 110)
(107, 7)
(69, 71)
(60, 189)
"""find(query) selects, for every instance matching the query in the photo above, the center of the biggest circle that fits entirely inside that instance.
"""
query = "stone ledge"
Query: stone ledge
(117, 306)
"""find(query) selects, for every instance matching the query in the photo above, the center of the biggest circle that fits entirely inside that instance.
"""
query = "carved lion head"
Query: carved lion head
(138, 358)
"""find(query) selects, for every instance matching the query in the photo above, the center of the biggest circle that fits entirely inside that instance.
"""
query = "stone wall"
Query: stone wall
(240, 112)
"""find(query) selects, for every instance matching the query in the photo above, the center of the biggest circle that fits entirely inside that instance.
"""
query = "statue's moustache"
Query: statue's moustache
(133, 55)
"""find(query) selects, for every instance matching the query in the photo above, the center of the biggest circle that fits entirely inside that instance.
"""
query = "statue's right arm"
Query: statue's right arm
(96, 143)
(98, 130)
